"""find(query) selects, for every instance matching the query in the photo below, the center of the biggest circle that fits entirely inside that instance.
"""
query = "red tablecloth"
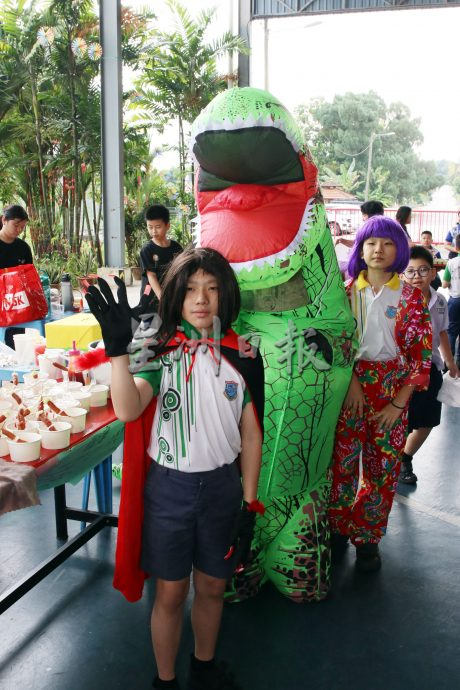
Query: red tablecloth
(96, 418)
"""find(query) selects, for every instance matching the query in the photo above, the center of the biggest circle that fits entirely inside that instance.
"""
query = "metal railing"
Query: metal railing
(345, 221)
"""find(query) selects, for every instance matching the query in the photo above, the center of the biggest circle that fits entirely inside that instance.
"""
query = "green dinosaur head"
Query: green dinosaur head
(256, 187)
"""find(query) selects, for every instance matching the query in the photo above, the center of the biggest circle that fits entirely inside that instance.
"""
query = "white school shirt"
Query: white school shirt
(196, 422)
(452, 274)
(375, 318)
(440, 322)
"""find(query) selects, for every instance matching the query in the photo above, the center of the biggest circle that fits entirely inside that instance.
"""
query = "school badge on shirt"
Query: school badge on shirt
(391, 312)
(231, 390)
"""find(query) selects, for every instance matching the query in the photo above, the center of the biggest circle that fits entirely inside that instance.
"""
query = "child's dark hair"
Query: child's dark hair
(174, 288)
(379, 226)
(14, 212)
(157, 212)
(427, 232)
(423, 254)
(372, 208)
(402, 214)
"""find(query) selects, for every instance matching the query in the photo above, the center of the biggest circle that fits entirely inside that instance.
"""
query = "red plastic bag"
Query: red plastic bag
(22, 296)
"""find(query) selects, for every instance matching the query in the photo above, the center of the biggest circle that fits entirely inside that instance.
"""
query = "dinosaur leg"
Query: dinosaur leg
(247, 584)
(291, 548)
(298, 559)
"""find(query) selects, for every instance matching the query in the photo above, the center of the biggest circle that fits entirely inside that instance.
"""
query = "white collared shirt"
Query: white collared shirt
(196, 426)
(440, 322)
(375, 316)
(452, 275)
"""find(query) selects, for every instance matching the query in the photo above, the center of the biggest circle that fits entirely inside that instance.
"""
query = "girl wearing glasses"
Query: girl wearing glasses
(393, 359)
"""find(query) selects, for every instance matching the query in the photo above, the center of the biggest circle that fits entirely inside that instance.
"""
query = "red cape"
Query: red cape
(129, 577)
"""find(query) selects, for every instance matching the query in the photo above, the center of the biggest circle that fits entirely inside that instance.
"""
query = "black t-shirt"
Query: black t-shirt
(11, 255)
(157, 259)
(14, 254)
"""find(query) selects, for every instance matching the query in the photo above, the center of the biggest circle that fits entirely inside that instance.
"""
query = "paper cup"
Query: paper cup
(4, 450)
(82, 398)
(99, 394)
(32, 424)
(27, 451)
(24, 344)
(5, 407)
(72, 386)
(55, 440)
(9, 388)
(77, 418)
(35, 377)
(103, 373)
(46, 366)
(10, 424)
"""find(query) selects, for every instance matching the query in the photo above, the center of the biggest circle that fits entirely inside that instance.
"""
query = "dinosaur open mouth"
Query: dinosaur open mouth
(254, 189)
(254, 224)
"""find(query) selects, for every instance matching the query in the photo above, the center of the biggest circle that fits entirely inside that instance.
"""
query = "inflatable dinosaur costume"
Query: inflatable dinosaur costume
(260, 205)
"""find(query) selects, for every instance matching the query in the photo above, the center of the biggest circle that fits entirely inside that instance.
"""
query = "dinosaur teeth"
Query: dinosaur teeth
(284, 253)
(267, 121)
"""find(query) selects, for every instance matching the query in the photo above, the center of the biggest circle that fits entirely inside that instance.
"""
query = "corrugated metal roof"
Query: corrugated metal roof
(271, 8)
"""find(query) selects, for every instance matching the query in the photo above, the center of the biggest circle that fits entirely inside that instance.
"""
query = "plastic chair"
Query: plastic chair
(39, 325)
(103, 483)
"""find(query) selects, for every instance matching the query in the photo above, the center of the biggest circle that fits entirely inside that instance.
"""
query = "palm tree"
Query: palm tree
(180, 76)
(50, 142)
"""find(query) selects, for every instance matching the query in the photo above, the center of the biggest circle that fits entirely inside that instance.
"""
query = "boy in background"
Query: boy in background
(450, 243)
(426, 239)
(426, 242)
(424, 407)
(451, 280)
(157, 254)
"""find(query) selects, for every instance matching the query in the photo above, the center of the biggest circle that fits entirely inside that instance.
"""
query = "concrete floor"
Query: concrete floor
(394, 630)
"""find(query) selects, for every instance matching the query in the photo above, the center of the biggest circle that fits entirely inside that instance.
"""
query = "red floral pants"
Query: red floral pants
(360, 506)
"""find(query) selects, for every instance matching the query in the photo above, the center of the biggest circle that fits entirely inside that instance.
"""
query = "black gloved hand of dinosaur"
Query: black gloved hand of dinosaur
(243, 533)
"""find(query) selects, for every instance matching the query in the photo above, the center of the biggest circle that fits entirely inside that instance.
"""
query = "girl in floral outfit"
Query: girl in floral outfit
(393, 359)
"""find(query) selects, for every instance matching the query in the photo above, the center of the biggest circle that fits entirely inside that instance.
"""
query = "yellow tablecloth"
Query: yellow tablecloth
(82, 327)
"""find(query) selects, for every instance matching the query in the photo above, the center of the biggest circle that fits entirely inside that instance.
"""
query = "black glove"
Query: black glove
(115, 318)
(146, 306)
(243, 533)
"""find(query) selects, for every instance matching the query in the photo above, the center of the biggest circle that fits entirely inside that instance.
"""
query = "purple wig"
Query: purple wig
(379, 226)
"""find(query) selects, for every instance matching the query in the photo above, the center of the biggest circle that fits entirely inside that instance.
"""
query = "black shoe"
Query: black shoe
(407, 475)
(167, 685)
(215, 677)
(338, 541)
(339, 544)
(368, 557)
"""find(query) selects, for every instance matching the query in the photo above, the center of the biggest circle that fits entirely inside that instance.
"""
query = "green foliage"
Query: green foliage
(62, 260)
(452, 173)
(347, 177)
(179, 78)
(339, 131)
(135, 233)
(54, 265)
(456, 184)
(83, 263)
(50, 131)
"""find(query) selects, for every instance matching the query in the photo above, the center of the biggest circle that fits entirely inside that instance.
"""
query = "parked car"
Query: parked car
(343, 220)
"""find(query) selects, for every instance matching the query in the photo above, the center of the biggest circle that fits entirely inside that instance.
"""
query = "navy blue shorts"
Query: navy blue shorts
(424, 406)
(189, 518)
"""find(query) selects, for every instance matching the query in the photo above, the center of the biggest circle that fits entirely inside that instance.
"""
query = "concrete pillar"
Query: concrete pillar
(244, 19)
(112, 134)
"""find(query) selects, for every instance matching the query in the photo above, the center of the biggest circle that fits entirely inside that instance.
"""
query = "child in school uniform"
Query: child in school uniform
(424, 407)
(394, 332)
(199, 505)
